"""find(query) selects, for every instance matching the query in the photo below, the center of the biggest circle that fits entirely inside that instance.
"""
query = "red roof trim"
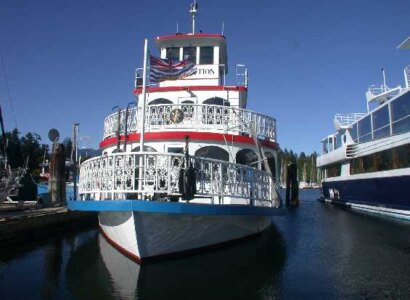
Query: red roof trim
(154, 89)
(178, 36)
(180, 135)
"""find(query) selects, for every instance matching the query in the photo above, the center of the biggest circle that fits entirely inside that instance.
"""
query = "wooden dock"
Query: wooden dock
(23, 224)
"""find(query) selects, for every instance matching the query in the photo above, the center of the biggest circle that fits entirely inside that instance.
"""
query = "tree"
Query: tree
(68, 146)
(13, 149)
(32, 150)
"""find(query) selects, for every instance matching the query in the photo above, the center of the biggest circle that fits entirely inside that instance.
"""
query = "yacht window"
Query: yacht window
(146, 149)
(400, 109)
(330, 141)
(160, 101)
(333, 170)
(213, 152)
(206, 56)
(173, 53)
(175, 150)
(217, 101)
(247, 157)
(353, 132)
(381, 124)
(325, 148)
(365, 130)
(190, 52)
(389, 159)
(338, 141)
(271, 163)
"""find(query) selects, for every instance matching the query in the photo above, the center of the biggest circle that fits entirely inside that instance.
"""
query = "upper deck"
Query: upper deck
(196, 117)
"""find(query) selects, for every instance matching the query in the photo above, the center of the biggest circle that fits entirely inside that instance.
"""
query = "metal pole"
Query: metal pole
(384, 81)
(75, 145)
(126, 126)
(144, 95)
(118, 129)
(142, 130)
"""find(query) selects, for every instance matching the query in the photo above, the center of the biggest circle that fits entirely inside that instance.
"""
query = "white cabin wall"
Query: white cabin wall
(235, 97)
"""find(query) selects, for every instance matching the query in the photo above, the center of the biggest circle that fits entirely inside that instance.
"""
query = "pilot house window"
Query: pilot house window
(206, 56)
(173, 53)
(190, 52)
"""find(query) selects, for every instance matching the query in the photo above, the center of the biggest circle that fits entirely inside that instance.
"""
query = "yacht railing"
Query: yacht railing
(196, 117)
(407, 76)
(149, 175)
(345, 120)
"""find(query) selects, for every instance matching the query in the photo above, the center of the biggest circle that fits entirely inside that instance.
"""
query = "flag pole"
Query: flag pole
(144, 99)
(144, 94)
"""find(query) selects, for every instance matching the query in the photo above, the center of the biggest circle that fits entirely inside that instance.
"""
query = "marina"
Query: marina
(315, 251)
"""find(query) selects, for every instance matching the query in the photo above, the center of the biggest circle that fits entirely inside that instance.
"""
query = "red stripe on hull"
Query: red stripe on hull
(154, 89)
(123, 251)
(180, 135)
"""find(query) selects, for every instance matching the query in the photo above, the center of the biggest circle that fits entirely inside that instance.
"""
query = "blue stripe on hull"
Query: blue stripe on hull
(172, 207)
(390, 192)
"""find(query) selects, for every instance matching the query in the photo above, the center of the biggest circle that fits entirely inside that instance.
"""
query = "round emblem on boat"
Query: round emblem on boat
(176, 116)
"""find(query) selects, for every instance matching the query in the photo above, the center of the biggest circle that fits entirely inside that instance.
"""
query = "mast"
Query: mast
(193, 11)
(144, 94)
(3, 136)
(142, 131)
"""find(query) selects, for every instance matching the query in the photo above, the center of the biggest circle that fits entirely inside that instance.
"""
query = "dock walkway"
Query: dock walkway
(22, 224)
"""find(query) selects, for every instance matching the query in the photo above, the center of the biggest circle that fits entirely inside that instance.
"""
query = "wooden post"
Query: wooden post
(292, 186)
(56, 181)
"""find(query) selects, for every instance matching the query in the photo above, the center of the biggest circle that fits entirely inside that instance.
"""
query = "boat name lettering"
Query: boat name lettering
(207, 71)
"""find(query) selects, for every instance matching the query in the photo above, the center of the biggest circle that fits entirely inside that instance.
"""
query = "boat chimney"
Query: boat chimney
(193, 11)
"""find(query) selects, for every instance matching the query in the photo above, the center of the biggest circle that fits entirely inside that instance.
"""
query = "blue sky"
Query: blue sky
(72, 61)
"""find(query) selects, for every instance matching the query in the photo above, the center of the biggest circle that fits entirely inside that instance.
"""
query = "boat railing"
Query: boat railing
(345, 120)
(156, 176)
(407, 76)
(196, 117)
(382, 93)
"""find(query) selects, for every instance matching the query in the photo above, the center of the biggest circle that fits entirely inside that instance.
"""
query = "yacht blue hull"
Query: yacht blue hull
(388, 196)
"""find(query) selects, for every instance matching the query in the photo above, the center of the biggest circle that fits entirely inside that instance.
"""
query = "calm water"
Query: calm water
(316, 251)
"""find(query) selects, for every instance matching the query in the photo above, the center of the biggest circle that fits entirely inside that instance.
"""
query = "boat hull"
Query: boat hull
(146, 236)
(387, 196)
(147, 230)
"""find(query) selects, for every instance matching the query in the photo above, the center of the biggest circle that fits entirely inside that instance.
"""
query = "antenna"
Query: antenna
(177, 27)
(223, 27)
(384, 80)
(193, 11)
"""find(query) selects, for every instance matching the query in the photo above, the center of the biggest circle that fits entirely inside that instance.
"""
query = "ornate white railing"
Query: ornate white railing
(196, 117)
(156, 175)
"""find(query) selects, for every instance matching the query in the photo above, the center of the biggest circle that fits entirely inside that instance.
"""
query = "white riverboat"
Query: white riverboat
(366, 163)
(188, 167)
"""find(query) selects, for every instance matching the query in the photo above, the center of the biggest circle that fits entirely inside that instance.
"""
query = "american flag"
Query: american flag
(167, 69)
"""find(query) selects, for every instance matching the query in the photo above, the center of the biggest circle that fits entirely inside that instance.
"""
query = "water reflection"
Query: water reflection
(252, 269)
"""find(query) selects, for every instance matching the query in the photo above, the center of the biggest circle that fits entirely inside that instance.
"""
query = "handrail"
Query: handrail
(153, 174)
(200, 117)
(345, 120)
